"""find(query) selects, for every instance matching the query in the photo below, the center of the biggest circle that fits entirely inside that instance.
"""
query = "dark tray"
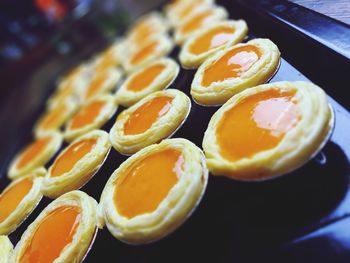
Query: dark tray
(300, 217)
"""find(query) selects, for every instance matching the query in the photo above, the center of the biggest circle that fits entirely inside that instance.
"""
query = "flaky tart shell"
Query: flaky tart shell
(175, 208)
(104, 115)
(191, 61)
(6, 249)
(219, 14)
(296, 147)
(164, 127)
(82, 171)
(126, 97)
(164, 47)
(219, 92)
(84, 235)
(39, 160)
(27, 204)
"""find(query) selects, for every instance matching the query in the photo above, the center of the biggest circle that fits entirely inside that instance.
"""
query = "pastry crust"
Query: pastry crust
(219, 92)
(6, 249)
(27, 204)
(68, 108)
(296, 147)
(164, 127)
(175, 208)
(39, 160)
(218, 14)
(104, 115)
(83, 237)
(127, 97)
(163, 47)
(82, 171)
(191, 61)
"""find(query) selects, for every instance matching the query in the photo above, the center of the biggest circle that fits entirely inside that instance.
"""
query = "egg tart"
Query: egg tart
(148, 79)
(152, 119)
(6, 249)
(148, 52)
(63, 232)
(154, 191)
(206, 15)
(91, 116)
(110, 57)
(234, 69)
(54, 118)
(102, 82)
(76, 164)
(35, 155)
(210, 40)
(19, 199)
(268, 130)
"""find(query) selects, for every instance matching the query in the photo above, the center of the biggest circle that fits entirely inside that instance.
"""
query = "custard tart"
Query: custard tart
(154, 191)
(6, 249)
(63, 232)
(152, 119)
(76, 164)
(232, 70)
(35, 155)
(210, 40)
(268, 130)
(19, 199)
(91, 116)
(153, 77)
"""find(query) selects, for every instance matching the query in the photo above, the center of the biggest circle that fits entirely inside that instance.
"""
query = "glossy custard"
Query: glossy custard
(196, 22)
(144, 52)
(31, 151)
(147, 182)
(53, 119)
(211, 39)
(145, 77)
(11, 197)
(76, 151)
(143, 118)
(87, 114)
(52, 235)
(257, 123)
(232, 65)
(97, 83)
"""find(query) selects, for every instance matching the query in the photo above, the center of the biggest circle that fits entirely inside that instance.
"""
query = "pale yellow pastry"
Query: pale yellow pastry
(148, 52)
(154, 191)
(232, 70)
(91, 116)
(206, 15)
(6, 249)
(76, 164)
(63, 232)
(54, 118)
(152, 119)
(268, 130)
(19, 199)
(148, 79)
(110, 57)
(210, 40)
(104, 80)
(35, 155)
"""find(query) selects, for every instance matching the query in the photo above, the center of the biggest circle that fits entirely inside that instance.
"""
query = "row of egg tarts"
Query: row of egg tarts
(182, 163)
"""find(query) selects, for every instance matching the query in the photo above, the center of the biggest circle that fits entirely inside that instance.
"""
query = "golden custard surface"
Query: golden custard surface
(31, 151)
(232, 65)
(10, 199)
(147, 114)
(211, 39)
(52, 235)
(145, 77)
(147, 182)
(53, 117)
(144, 52)
(196, 22)
(87, 114)
(97, 83)
(257, 123)
(74, 153)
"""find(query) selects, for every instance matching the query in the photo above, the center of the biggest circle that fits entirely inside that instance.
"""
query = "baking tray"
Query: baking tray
(300, 217)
